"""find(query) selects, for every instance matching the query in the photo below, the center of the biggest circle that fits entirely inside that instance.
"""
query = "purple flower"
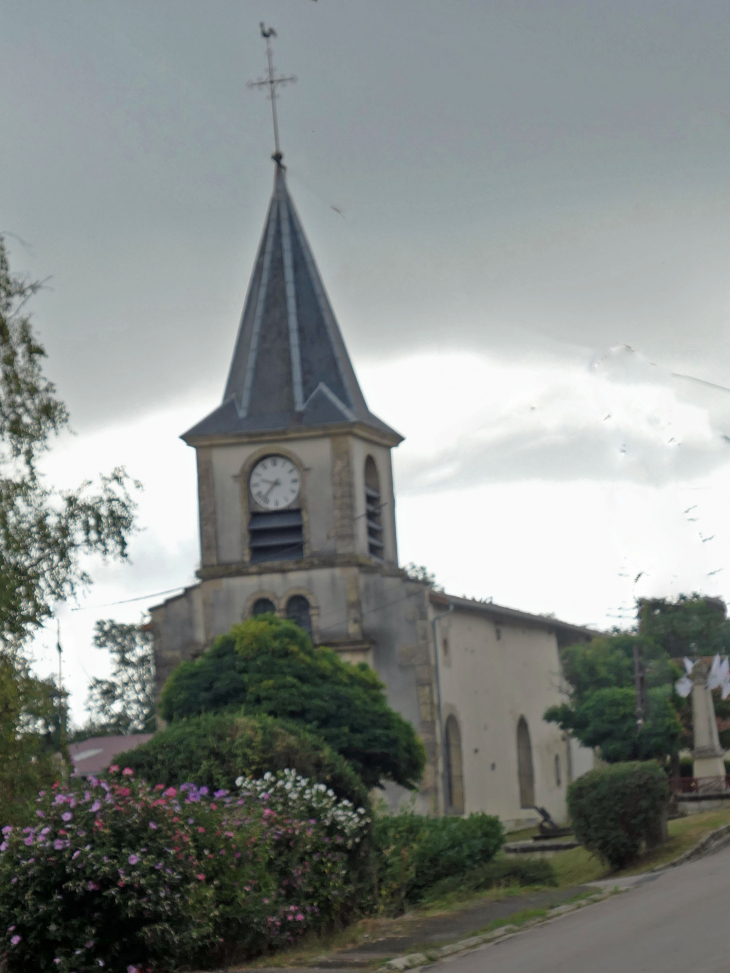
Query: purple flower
(153, 825)
(203, 790)
(133, 859)
(3, 846)
(96, 806)
(15, 940)
(58, 844)
(7, 829)
(92, 887)
(28, 840)
(66, 816)
(40, 814)
(89, 944)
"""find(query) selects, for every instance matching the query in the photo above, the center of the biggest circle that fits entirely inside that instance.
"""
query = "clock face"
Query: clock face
(274, 483)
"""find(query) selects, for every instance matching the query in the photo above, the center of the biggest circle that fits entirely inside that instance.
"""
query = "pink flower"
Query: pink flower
(96, 806)
(66, 816)
(300, 917)
(200, 877)
(92, 887)
(113, 768)
(153, 825)
(128, 772)
(15, 940)
(170, 792)
(133, 859)
(40, 814)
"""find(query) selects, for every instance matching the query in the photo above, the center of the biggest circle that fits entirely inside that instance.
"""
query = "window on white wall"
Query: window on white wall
(453, 770)
(524, 765)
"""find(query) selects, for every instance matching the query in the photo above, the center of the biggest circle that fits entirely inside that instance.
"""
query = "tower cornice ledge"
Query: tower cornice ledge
(241, 569)
(280, 435)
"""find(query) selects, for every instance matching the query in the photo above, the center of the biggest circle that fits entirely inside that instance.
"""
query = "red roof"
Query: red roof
(95, 754)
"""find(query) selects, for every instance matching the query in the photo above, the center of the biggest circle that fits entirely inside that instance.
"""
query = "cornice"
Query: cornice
(282, 435)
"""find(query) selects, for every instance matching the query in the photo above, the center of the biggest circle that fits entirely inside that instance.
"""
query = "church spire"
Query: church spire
(290, 367)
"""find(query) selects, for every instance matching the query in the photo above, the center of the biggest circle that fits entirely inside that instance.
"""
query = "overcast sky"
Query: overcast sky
(521, 212)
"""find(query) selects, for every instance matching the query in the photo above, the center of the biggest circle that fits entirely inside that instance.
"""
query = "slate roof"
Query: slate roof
(95, 754)
(290, 367)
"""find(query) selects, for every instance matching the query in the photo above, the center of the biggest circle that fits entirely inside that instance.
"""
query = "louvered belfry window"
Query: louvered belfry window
(276, 536)
(373, 509)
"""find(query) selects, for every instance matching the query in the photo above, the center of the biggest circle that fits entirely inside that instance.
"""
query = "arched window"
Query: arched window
(373, 509)
(524, 765)
(298, 611)
(453, 768)
(263, 606)
(558, 775)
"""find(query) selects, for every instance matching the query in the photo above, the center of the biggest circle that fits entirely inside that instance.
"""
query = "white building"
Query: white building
(297, 515)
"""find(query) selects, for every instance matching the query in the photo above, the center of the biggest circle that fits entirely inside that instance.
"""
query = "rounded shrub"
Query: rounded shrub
(615, 808)
(214, 749)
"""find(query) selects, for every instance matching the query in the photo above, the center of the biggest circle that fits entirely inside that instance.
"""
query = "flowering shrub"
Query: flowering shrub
(121, 876)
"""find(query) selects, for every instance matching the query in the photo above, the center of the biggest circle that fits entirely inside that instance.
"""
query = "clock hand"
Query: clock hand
(273, 484)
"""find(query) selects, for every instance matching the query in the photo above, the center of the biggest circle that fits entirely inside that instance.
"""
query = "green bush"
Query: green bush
(216, 748)
(413, 852)
(615, 808)
(269, 665)
(501, 872)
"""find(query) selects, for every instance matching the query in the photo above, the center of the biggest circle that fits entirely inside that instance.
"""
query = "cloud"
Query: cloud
(616, 417)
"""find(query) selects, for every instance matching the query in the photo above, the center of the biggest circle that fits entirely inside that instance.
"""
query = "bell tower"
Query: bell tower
(294, 471)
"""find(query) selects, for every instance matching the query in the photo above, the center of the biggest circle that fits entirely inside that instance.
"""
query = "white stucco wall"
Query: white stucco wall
(494, 673)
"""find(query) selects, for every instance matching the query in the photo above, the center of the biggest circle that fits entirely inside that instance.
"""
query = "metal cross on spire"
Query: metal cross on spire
(271, 81)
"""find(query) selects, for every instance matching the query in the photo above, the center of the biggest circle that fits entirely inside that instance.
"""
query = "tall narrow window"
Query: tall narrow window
(298, 611)
(373, 509)
(263, 606)
(453, 768)
(558, 775)
(524, 765)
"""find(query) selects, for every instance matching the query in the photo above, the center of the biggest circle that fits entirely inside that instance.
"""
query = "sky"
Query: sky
(521, 212)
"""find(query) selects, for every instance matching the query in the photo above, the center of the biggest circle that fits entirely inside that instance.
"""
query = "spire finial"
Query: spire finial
(271, 81)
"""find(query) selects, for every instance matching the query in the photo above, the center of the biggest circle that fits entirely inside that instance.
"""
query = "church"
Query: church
(297, 516)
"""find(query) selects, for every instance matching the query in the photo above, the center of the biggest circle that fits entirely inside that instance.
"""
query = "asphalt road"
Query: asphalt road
(675, 923)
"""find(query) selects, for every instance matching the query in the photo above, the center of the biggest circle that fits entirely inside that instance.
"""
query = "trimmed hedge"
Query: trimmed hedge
(616, 808)
(216, 748)
(501, 872)
(413, 852)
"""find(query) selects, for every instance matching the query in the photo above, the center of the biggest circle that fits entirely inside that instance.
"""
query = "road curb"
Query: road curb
(712, 842)
(413, 961)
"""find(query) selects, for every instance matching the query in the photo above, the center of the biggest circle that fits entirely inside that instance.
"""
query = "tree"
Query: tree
(692, 625)
(32, 719)
(268, 665)
(601, 711)
(125, 703)
(43, 531)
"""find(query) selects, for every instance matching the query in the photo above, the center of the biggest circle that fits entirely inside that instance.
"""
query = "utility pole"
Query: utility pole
(639, 682)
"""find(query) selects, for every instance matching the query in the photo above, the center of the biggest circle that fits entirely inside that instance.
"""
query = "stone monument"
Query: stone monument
(708, 755)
